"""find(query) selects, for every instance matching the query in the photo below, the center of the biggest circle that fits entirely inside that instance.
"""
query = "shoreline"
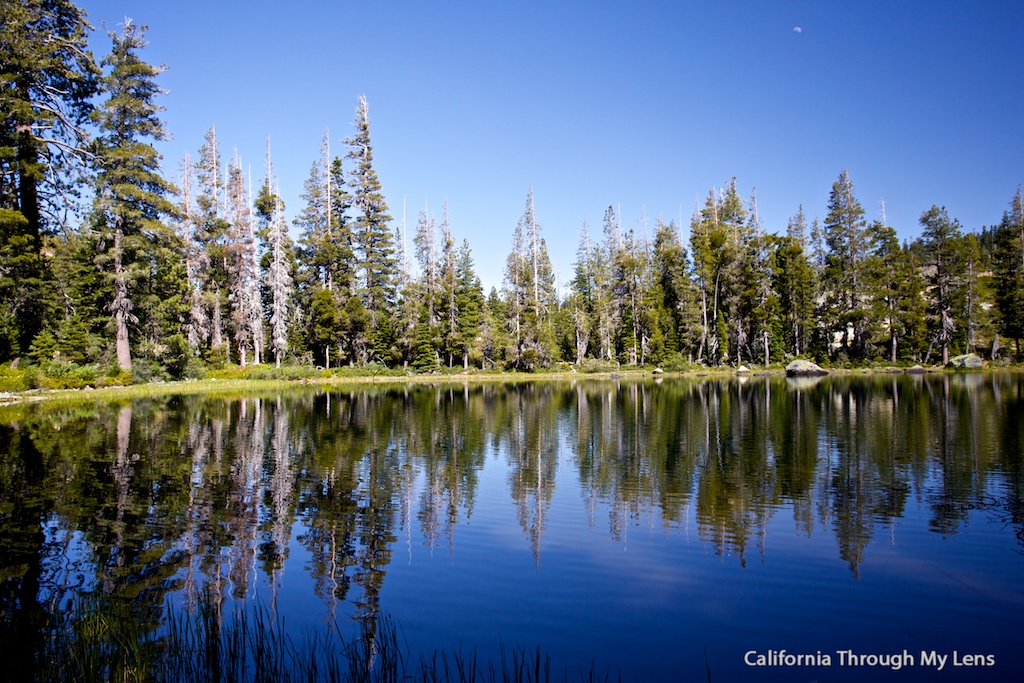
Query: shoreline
(215, 385)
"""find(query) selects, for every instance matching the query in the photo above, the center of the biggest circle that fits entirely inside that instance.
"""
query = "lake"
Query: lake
(768, 529)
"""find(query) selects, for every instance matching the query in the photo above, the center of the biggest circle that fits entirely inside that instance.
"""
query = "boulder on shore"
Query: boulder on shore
(804, 368)
(916, 370)
(742, 368)
(967, 361)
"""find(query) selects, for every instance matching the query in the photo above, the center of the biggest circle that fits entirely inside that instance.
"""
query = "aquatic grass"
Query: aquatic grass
(108, 643)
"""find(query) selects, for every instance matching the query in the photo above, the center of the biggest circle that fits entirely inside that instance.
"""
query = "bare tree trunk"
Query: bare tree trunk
(121, 306)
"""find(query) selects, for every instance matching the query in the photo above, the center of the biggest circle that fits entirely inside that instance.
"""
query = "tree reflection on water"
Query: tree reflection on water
(196, 495)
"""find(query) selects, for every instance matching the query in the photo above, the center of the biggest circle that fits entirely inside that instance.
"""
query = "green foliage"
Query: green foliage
(44, 347)
(843, 277)
(425, 358)
(173, 286)
(596, 365)
(12, 379)
(794, 281)
(325, 325)
(269, 372)
(178, 357)
(371, 234)
(131, 200)
(944, 248)
(47, 82)
(1009, 270)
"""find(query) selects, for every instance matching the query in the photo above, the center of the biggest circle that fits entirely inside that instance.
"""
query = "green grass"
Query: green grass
(31, 383)
(99, 643)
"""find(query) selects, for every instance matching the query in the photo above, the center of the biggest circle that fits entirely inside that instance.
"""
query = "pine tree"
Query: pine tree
(280, 282)
(629, 279)
(210, 233)
(762, 309)
(408, 305)
(196, 326)
(882, 271)
(131, 193)
(1009, 271)
(425, 356)
(495, 335)
(942, 241)
(47, 81)
(315, 230)
(425, 241)
(679, 298)
(242, 268)
(974, 314)
(278, 277)
(516, 287)
(716, 234)
(530, 294)
(326, 233)
(846, 240)
(794, 282)
(469, 301)
(84, 293)
(372, 236)
(582, 299)
(449, 337)
(607, 307)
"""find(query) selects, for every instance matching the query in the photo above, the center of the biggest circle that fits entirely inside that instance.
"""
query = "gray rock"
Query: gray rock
(743, 368)
(916, 370)
(804, 368)
(966, 361)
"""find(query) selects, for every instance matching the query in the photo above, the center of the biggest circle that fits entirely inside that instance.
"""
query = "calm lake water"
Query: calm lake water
(654, 528)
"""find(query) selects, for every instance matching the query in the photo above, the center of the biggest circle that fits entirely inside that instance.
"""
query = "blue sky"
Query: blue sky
(645, 106)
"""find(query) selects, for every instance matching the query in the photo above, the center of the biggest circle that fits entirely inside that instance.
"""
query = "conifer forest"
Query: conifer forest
(117, 264)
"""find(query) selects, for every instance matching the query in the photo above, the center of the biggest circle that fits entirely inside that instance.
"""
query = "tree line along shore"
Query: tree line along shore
(112, 271)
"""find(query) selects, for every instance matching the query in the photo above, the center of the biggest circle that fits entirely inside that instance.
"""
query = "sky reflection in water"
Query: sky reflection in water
(628, 524)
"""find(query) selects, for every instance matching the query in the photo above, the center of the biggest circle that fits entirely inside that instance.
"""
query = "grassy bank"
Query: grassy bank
(32, 383)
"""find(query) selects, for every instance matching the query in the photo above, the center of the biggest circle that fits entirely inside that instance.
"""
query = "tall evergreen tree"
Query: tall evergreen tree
(629, 267)
(449, 290)
(372, 235)
(974, 294)
(607, 307)
(943, 242)
(762, 309)
(717, 233)
(582, 299)
(210, 234)
(47, 81)
(196, 325)
(883, 271)
(847, 243)
(326, 231)
(279, 266)
(131, 194)
(243, 268)
(469, 301)
(1009, 270)
(794, 281)
(530, 294)
(679, 297)
(425, 241)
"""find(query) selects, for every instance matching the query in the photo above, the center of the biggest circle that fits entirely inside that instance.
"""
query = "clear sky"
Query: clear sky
(642, 105)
